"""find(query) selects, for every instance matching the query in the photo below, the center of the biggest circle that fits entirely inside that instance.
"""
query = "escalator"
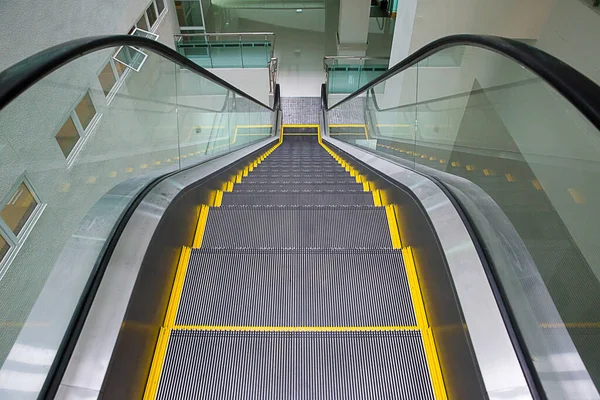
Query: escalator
(317, 279)
(193, 242)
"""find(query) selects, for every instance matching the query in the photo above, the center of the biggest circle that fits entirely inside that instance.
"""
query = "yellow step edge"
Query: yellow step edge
(393, 225)
(157, 364)
(366, 186)
(245, 172)
(396, 209)
(415, 288)
(218, 198)
(200, 227)
(296, 328)
(238, 177)
(377, 198)
(177, 288)
(433, 362)
(384, 199)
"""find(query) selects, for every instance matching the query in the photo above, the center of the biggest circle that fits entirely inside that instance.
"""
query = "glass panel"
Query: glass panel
(107, 79)
(160, 6)
(255, 54)
(189, 13)
(151, 13)
(525, 165)
(4, 247)
(18, 209)
(142, 23)
(162, 118)
(130, 57)
(85, 111)
(226, 54)
(67, 137)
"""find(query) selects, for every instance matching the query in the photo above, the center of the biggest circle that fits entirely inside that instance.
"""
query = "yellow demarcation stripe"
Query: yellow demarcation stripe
(218, 198)
(377, 198)
(415, 289)
(295, 328)
(393, 225)
(177, 288)
(165, 331)
(435, 372)
(157, 363)
(433, 362)
(200, 227)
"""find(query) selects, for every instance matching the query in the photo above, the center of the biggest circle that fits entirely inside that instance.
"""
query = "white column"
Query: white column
(353, 28)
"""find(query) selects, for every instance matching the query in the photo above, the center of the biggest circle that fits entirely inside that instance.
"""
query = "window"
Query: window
(74, 127)
(142, 23)
(18, 209)
(85, 110)
(121, 68)
(4, 247)
(67, 137)
(131, 57)
(151, 13)
(107, 79)
(17, 214)
(160, 6)
(143, 33)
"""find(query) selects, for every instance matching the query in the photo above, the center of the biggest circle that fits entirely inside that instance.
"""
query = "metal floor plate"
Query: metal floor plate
(281, 365)
(296, 288)
(297, 227)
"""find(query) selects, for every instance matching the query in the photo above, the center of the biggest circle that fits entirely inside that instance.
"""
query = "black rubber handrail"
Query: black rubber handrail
(575, 87)
(24, 74)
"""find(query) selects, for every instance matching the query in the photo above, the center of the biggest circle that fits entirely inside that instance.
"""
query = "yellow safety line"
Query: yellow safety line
(296, 328)
(157, 363)
(377, 198)
(393, 225)
(200, 227)
(413, 284)
(165, 331)
(177, 287)
(433, 362)
(218, 198)
(435, 372)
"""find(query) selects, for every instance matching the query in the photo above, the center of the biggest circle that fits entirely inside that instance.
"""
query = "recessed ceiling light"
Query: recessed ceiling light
(298, 10)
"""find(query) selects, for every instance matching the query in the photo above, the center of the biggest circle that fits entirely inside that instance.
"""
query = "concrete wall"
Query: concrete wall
(159, 118)
(127, 138)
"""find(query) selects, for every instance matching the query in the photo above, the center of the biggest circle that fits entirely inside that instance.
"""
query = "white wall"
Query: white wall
(138, 128)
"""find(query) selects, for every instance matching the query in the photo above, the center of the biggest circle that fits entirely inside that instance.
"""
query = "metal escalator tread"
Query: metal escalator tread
(297, 226)
(296, 292)
(302, 197)
(298, 185)
(229, 287)
(281, 365)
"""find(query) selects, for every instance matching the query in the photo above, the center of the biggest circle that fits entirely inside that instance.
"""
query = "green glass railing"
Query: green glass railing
(225, 50)
(520, 152)
(345, 75)
(75, 137)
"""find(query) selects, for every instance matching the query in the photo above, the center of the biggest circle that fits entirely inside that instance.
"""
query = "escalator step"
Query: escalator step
(280, 365)
(276, 178)
(299, 226)
(297, 185)
(296, 288)
(297, 197)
